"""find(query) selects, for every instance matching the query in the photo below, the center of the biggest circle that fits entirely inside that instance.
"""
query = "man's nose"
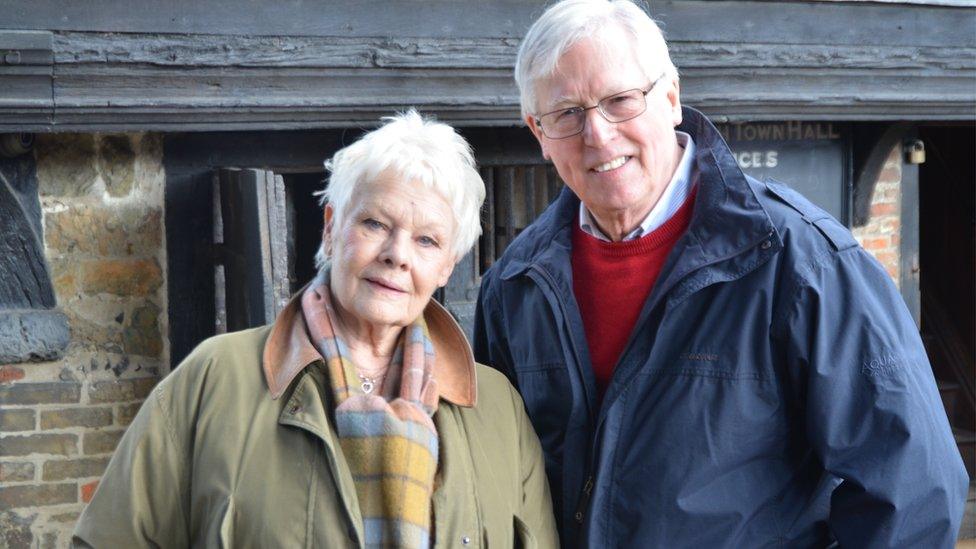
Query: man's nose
(597, 130)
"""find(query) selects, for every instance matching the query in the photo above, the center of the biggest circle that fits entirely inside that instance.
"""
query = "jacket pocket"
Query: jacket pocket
(524, 539)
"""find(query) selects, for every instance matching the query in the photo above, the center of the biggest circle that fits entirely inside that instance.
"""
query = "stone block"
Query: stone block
(12, 497)
(117, 164)
(121, 277)
(141, 336)
(40, 443)
(15, 530)
(16, 420)
(103, 231)
(125, 413)
(16, 471)
(121, 390)
(91, 326)
(65, 164)
(64, 469)
(40, 393)
(32, 335)
(70, 518)
(101, 442)
(76, 417)
(64, 278)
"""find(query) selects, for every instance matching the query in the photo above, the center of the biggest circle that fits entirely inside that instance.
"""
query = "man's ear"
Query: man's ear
(327, 230)
(674, 98)
(536, 130)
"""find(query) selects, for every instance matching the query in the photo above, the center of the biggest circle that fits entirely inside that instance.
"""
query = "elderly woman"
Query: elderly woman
(359, 418)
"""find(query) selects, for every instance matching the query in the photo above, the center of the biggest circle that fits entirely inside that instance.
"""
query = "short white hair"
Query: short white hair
(565, 24)
(416, 149)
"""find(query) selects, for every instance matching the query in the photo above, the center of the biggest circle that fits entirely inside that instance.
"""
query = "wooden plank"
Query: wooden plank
(280, 241)
(189, 255)
(700, 20)
(797, 22)
(210, 50)
(24, 281)
(362, 18)
(26, 82)
(254, 250)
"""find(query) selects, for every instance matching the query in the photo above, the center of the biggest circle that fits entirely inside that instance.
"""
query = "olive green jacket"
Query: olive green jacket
(237, 448)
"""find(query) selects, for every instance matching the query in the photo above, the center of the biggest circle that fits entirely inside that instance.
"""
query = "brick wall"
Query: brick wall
(881, 235)
(102, 202)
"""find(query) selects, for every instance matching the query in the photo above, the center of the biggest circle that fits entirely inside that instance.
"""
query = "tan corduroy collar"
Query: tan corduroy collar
(288, 351)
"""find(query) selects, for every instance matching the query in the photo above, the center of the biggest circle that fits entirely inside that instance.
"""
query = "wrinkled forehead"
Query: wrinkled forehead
(590, 69)
(408, 200)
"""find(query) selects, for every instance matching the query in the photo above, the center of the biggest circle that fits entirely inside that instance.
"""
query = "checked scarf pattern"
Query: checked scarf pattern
(391, 447)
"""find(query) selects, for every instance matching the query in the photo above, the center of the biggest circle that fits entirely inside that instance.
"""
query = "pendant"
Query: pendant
(367, 386)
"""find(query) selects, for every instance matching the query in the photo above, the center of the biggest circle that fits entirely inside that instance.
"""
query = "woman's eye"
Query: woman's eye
(427, 241)
(371, 223)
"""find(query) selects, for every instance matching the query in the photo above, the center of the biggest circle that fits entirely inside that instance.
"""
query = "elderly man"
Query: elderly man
(709, 360)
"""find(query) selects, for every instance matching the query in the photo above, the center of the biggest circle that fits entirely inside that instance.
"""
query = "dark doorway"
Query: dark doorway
(947, 255)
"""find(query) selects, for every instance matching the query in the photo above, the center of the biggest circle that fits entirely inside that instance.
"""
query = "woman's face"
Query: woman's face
(393, 250)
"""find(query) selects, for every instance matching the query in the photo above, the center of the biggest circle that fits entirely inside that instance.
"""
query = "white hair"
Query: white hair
(570, 21)
(416, 149)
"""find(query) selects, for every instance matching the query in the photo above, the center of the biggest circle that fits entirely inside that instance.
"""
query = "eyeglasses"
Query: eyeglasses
(619, 107)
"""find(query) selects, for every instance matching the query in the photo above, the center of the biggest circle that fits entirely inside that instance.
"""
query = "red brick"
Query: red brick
(10, 373)
(890, 173)
(88, 490)
(876, 243)
(883, 209)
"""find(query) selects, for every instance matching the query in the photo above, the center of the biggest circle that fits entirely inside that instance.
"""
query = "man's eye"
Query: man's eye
(568, 114)
(371, 223)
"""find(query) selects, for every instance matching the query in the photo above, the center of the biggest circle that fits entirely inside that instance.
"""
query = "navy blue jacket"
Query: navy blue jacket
(774, 391)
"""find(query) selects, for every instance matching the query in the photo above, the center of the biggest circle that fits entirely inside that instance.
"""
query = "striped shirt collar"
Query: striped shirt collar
(673, 197)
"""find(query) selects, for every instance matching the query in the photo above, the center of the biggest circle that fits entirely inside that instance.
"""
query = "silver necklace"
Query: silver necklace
(369, 383)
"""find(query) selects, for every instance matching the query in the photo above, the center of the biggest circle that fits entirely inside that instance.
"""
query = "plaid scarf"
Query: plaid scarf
(391, 447)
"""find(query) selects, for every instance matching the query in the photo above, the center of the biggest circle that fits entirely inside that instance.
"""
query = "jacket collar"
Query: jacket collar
(288, 351)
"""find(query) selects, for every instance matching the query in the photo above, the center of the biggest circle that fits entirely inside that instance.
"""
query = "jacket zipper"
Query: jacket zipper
(584, 500)
(572, 340)
(588, 485)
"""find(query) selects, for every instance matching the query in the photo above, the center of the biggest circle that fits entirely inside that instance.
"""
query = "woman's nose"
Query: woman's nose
(395, 251)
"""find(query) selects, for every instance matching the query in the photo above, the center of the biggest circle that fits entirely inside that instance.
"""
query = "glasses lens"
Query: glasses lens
(623, 106)
(563, 123)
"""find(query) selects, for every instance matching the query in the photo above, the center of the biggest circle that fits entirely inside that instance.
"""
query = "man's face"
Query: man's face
(618, 170)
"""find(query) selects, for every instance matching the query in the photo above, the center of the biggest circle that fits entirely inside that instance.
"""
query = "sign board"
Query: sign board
(812, 157)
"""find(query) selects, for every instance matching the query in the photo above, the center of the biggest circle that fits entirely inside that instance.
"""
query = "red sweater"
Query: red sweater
(612, 281)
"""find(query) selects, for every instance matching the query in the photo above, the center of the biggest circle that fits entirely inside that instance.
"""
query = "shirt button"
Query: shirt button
(766, 245)
(465, 540)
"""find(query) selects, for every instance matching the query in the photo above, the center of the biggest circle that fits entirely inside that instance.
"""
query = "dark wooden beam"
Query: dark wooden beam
(221, 65)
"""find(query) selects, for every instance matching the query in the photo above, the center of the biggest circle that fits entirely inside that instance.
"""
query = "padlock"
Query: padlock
(915, 151)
